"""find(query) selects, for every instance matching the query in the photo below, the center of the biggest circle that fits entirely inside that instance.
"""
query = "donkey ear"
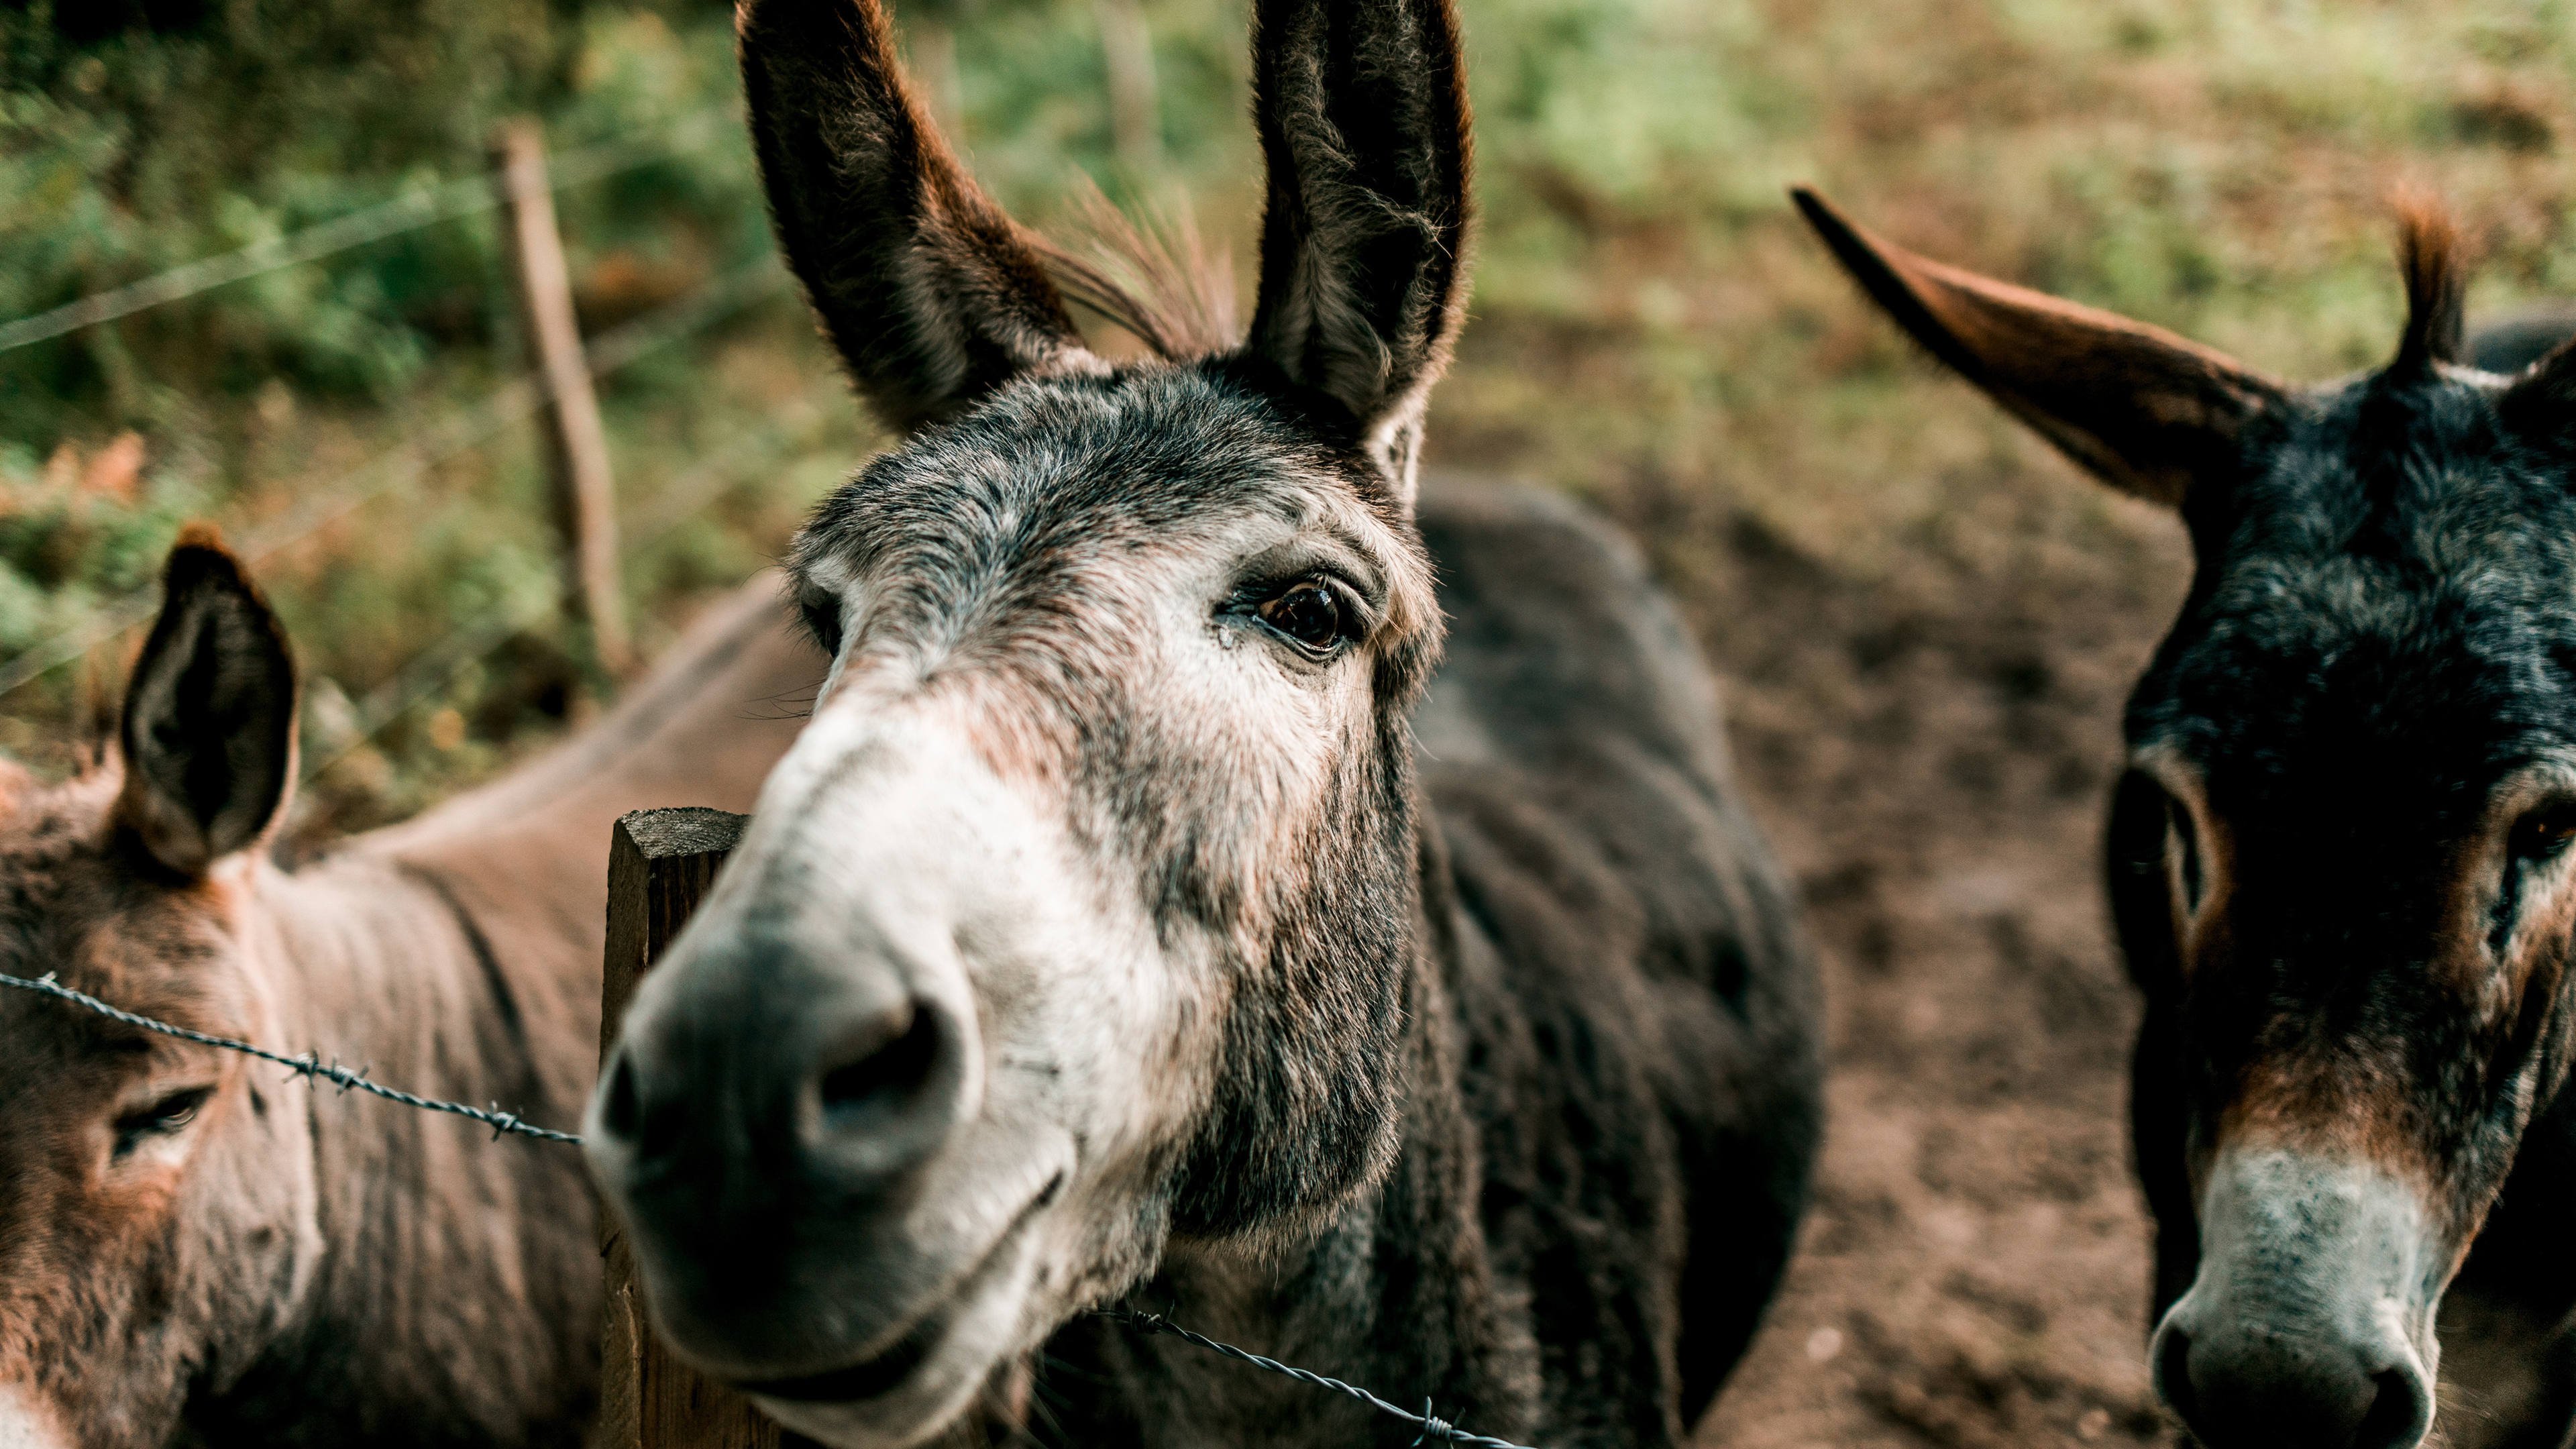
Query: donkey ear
(2543, 397)
(931, 293)
(209, 728)
(1362, 106)
(2144, 410)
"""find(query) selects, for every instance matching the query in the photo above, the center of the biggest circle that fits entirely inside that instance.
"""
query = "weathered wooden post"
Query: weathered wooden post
(577, 445)
(660, 864)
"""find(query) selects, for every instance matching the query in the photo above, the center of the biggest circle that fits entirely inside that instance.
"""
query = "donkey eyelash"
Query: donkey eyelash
(2183, 836)
(163, 1117)
(2542, 835)
(2535, 840)
(1317, 614)
(821, 615)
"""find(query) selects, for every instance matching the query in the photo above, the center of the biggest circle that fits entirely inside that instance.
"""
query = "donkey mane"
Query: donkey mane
(2433, 254)
(1156, 277)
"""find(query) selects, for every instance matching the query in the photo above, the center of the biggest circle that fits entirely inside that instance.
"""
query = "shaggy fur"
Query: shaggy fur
(1615, 1026)
(2338, 871)
(1102, 940)
(268, 1265)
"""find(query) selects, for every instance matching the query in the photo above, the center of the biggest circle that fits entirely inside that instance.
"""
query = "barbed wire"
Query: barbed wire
(504, 1123)
(410, 211)
(412, 458)
(306, 1066)
(438, 665)
(1433, 1427)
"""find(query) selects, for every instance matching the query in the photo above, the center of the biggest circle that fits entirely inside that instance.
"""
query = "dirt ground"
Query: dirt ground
(1930, 750)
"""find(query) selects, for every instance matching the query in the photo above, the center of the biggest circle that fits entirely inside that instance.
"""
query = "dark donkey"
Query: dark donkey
(195, 1250)
(2338, 862)
(1104, 938)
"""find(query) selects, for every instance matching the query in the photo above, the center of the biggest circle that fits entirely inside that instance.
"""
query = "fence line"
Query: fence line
(437, 666)
(426, 206)
(504, 1123)
(412, 458)
(306, 1066)
(1432, 1426)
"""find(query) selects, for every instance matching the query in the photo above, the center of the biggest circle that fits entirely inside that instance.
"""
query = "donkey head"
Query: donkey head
(154, 1211)
(1081, 919)
(2338, 860)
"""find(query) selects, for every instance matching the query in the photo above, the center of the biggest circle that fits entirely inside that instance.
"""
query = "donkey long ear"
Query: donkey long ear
(1362, 106)
(2143, 409)
(209, 726)
(931, 293)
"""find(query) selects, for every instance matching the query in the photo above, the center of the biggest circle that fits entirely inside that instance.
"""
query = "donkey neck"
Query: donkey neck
(380, 964)
(1395, 1293)
(447, 1290)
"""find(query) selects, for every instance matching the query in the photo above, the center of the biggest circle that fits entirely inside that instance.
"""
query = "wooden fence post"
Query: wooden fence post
(577, 445)
(660, 864)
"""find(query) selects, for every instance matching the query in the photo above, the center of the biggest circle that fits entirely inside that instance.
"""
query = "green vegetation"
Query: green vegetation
(1652, 329)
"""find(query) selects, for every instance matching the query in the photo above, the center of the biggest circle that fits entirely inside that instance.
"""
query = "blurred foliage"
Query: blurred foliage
(1652, 327)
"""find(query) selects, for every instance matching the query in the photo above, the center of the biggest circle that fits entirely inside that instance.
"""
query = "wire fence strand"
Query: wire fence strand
(409, 460)
(506, 1123)
(1434, 1429)
(435, 667)
(307, 1066)
(410, 211)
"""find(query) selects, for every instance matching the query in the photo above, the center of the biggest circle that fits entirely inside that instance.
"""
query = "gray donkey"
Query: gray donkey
(1110, 934)
(2338, 860)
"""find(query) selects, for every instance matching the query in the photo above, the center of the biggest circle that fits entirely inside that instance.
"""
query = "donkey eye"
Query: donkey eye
(1309, 613)
(2186, 844)
(2543, 834)
(168, 1115)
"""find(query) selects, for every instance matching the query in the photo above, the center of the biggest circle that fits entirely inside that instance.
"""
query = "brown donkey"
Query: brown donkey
(2338, 861)
(192, 1249)
(1106, 935)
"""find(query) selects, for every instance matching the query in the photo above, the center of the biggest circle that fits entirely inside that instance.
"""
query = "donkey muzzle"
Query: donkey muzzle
(2310, 1325)
(775, 1117)
(26, 1422)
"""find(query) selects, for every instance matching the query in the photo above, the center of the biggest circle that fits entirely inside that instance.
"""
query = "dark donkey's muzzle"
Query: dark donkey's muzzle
(763, 1127)
(2310, 1324)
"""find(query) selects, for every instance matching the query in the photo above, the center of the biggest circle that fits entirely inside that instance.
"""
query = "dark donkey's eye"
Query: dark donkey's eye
(168, 1115)
(2543, 834)
(2185, 835)
(1309, 612)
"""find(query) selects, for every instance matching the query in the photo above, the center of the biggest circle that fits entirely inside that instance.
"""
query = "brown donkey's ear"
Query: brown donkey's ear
(1362, 106)
(2143, 409)
(209, 728)
(931, 293)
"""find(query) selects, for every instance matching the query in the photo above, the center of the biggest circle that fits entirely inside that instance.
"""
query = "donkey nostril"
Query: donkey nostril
(2395, 1414)
(651, 1129)
(2173, 1376)
(619, 1112)
(884, 1078)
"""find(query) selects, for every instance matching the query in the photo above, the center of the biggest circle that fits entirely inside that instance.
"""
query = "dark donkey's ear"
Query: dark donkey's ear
(931, 293)
(1362, 106)
(209, 727)
(2143, 409)
(2542, 400)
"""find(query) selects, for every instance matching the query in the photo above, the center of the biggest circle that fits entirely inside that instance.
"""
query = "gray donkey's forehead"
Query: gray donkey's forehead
(1050, 468)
